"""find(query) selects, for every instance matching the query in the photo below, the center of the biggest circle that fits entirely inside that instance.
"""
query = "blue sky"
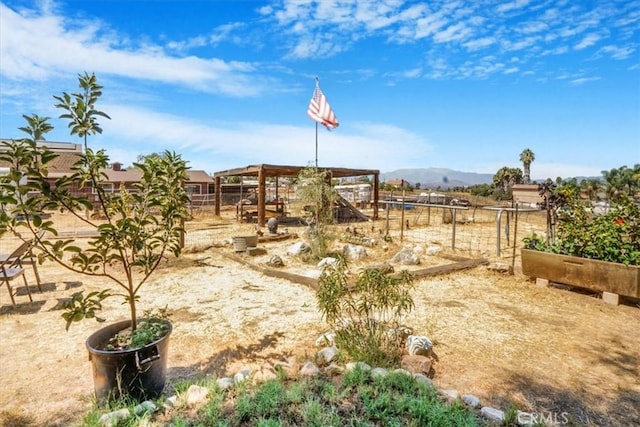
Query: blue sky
(465, 85)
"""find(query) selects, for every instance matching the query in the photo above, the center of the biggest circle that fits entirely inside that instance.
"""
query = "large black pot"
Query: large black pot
(139, 374)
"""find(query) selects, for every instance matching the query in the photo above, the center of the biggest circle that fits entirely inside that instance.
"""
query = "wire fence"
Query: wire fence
(490, 231)
(493, 231)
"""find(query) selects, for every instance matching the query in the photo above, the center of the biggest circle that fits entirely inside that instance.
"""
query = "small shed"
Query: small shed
(526, 194)
(262, 171)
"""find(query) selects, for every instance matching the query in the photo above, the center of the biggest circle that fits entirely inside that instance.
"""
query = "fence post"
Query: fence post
(453, 229)
(515, 234)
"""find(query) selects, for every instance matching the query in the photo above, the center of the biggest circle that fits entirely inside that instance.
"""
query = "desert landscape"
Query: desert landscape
(547, 350)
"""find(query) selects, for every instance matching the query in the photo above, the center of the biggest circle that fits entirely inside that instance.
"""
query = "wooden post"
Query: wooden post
(376, 195)
(262, 193)
(218, 195)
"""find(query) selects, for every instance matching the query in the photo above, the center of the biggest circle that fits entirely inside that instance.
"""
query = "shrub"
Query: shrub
(366, 314)
(613, 236)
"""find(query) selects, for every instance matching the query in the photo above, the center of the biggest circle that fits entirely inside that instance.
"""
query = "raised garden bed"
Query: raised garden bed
(586, 273)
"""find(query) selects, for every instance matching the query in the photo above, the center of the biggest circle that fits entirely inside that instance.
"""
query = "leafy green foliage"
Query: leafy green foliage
(393, 400)
(363, 313)
(137, 229)
(153, 326)
(81, 306)
(613, 236)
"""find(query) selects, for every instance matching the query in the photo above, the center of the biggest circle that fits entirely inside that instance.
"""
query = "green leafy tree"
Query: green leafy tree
(527, 157)
(504, 180)
(622, 181)
(591, 187)
(139, 229)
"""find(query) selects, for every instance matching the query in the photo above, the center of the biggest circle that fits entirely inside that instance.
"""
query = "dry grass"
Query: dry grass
(545, 350)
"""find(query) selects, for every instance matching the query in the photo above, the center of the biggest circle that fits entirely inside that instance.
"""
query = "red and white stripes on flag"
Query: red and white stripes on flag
(319, 110)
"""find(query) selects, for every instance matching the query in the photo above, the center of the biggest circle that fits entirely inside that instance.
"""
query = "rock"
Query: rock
(225, 383)
(328, 338)
(171, 401)
(379, 372)
(492, 414)
(406, 256)
(333, 370)
(420, 378)
(353, 365)
(384, 267)
(499, 267)
(241, 376)
(326, 355)
(471, 400)
(419, 345)
(146, 407)
(298, 248)
(418, 250)
(113, 418)
(403, 372)
(433, 250)
(416, 364)
(309, 369)
(265, 374)
(449, 394)
(327, 262)
(196, 394)
(354, 251)
(275, 261)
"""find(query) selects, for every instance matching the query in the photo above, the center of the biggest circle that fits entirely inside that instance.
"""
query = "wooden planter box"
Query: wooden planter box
(592, 274)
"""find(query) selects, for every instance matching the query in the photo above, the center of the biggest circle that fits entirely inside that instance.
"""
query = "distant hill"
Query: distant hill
(437, 177)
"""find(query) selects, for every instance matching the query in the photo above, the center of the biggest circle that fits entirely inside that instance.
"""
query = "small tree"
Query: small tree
(366, 315)
(139, 228)
(315, 190)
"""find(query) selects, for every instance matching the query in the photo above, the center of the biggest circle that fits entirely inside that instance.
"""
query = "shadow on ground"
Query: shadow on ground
(217, 364)
(556, 406)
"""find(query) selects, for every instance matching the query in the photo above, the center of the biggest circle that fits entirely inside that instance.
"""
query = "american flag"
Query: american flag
(319, 110)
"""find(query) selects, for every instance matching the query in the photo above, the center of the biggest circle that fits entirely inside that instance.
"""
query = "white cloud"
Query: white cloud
(514, 5)
(616, 52)
(454, 32)
(583, 80)
(365, 145)
(587, 41)
(479, 43)
(38, 47)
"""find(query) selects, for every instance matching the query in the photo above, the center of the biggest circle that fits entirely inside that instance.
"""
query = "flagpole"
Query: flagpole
(317, 84)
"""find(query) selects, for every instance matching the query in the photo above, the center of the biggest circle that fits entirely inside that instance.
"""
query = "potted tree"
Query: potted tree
(134, 231)
(600, 252)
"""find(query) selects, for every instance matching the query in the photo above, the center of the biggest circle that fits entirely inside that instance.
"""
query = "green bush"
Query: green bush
(366, 313)
(613, 236)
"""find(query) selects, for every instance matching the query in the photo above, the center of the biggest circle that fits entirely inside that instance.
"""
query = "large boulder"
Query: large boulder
(354, 251)
(406, 256)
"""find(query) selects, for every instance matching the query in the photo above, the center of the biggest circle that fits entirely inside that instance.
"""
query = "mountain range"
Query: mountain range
(437, 177)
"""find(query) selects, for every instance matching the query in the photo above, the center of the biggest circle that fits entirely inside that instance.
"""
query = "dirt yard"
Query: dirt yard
(562, 354)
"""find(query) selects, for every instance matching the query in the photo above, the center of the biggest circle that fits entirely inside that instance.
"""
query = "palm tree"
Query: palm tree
(527, 157)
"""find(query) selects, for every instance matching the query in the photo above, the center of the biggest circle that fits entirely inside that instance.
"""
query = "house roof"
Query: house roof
(133, 175)
(69, 154)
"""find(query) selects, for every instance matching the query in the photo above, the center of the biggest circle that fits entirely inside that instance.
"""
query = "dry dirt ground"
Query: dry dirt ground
(562, 354)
